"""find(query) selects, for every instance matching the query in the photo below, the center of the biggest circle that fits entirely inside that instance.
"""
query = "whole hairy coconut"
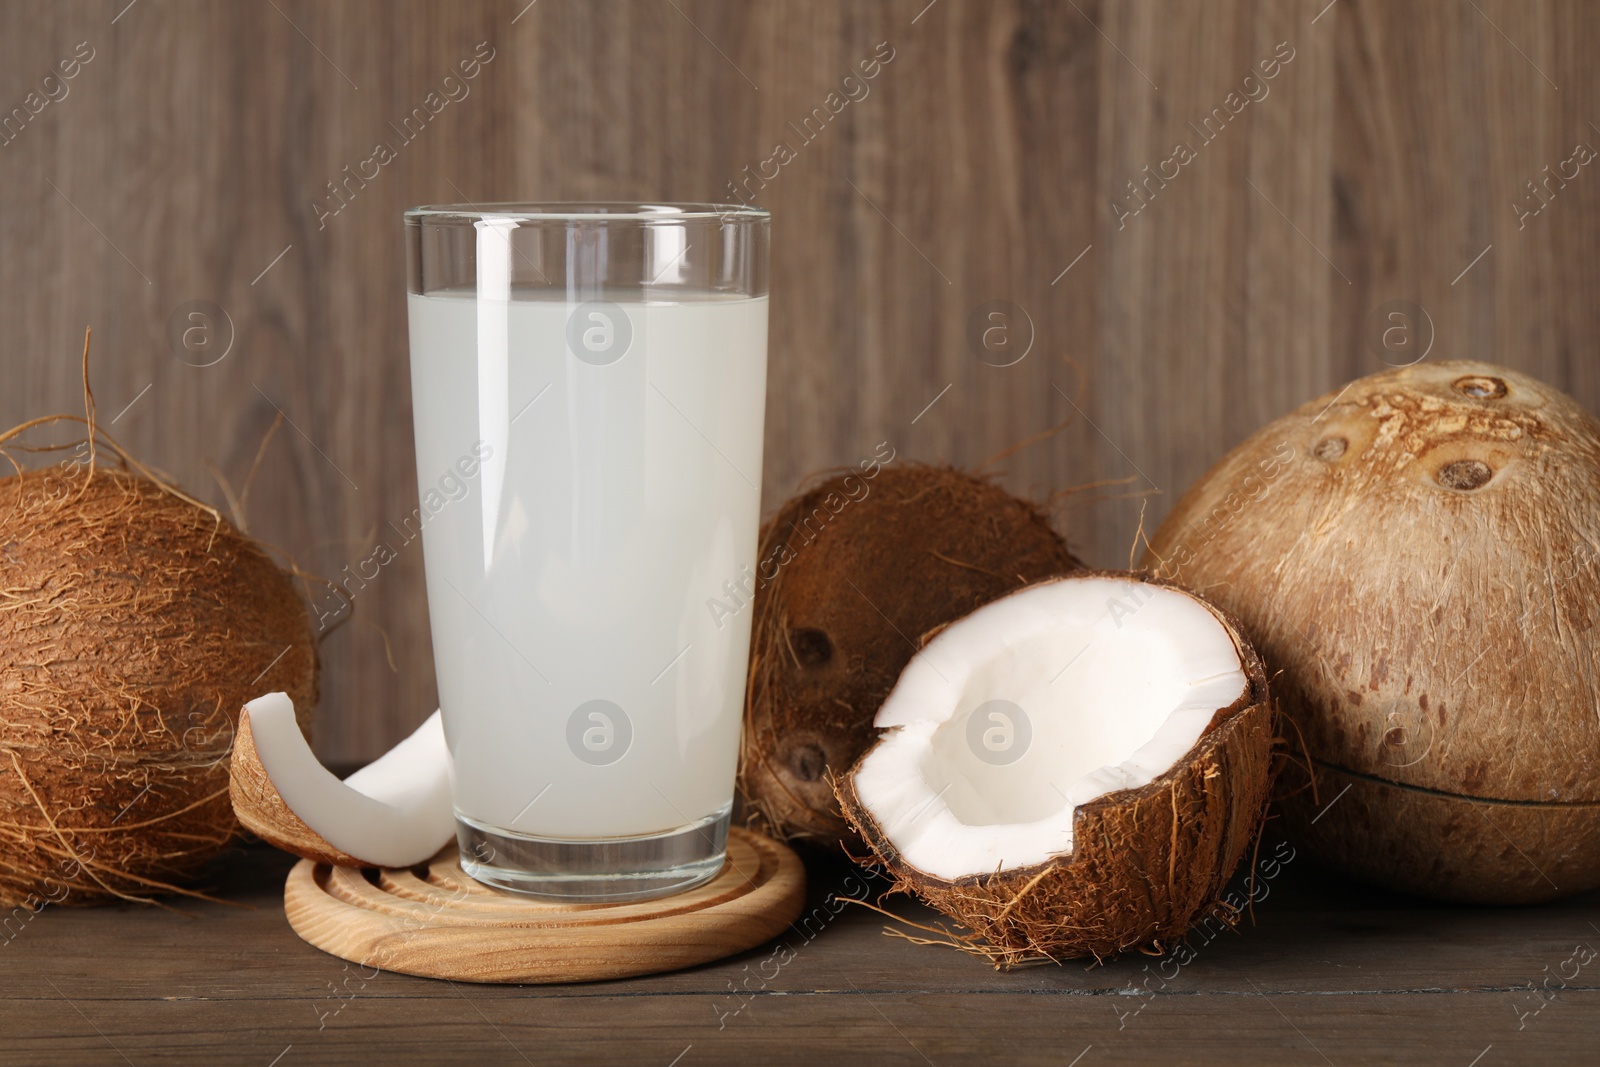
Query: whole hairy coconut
(134, 624)
(1419, 556)
(853, 574)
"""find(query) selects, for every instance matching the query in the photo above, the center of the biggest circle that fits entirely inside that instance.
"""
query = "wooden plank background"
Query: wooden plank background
(985, 163)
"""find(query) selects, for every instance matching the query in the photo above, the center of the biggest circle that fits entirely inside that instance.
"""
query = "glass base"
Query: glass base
(597, 871)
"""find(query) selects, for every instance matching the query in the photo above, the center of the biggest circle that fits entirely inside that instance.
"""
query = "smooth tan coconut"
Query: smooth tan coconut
(853, 574)
(1418, 554)
(134, 623)
(1074, 769)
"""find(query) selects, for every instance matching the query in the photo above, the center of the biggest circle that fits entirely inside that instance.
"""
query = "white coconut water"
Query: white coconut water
(612, 457)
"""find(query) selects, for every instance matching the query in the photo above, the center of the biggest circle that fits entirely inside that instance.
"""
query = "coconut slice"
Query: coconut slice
(395, 812)
(1075, 768)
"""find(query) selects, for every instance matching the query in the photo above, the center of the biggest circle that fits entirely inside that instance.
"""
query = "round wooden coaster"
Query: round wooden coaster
(437, 922)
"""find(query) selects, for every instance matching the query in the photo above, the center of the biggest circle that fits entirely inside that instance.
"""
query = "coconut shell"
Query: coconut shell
(134, 625)
(1145, 862)
(854, 574)
(1418, 554)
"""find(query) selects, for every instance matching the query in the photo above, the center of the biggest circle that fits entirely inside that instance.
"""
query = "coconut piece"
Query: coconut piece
(853, 574)
(394, 812)
(1418, 556)
(1073, 769)
(134, 623)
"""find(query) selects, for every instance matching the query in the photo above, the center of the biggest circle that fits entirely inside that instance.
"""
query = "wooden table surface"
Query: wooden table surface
(1331, 973)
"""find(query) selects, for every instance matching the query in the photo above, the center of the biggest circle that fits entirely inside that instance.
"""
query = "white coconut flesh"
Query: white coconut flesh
(1080, 687)
(394, 812)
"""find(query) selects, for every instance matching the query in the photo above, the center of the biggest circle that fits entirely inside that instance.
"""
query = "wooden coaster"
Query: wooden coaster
(437, 922)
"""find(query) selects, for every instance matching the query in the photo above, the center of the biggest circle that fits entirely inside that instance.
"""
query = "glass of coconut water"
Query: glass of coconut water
(588, 391)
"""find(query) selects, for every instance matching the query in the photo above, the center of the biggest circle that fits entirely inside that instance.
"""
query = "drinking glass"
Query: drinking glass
(588, 390)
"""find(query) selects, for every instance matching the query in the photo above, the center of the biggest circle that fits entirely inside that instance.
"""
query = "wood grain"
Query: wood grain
(189, 157)
(1324, 966)
(439, 923)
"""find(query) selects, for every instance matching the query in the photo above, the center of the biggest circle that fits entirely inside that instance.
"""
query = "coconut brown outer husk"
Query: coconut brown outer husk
(134, 625)
(1145, 862)
(1431, 632)
(872, 565)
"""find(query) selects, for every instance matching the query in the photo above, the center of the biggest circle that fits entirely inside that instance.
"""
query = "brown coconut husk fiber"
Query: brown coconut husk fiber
(135, 622)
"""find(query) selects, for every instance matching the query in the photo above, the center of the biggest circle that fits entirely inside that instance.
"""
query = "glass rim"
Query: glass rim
(584, 211)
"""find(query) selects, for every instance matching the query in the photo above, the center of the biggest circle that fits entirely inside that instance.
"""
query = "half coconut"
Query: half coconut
(1074, 769)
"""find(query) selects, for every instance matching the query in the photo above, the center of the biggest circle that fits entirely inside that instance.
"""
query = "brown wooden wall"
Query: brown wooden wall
(188, 158)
